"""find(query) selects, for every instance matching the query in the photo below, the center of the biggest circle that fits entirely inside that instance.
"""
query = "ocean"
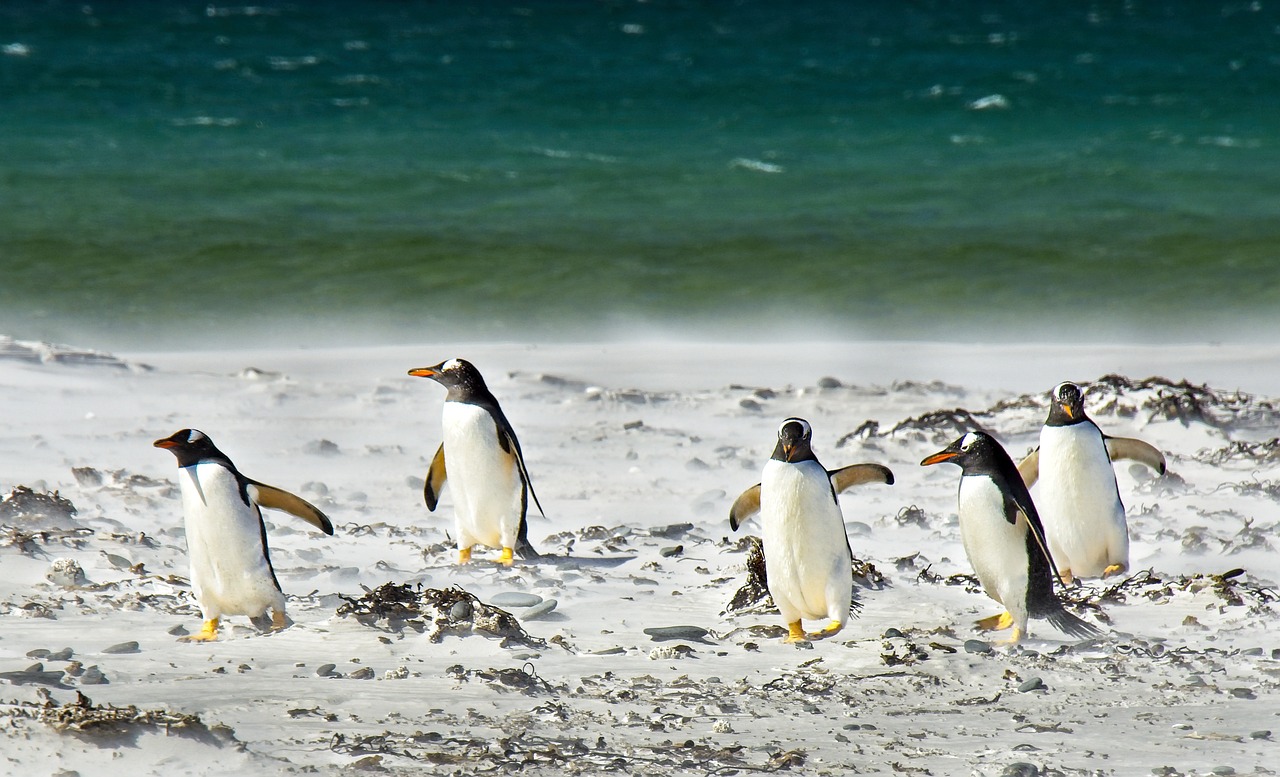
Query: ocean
(196, 175)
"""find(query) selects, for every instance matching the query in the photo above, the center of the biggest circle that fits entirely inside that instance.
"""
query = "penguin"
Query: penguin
(1084, 519)
(806, 551)
(482, 461)
(231, 571)
(1004, 539)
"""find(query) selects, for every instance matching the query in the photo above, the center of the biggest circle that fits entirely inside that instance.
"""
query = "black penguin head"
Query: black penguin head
(1066, 405)
(975, 451)
(459, 376)
(191, 446)
(795, 438)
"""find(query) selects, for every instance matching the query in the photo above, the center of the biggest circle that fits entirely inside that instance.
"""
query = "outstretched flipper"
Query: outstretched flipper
(858, 474)
(264, 495)
(745, 506)
(1136, 450)
(435, 480)
(1029, 468)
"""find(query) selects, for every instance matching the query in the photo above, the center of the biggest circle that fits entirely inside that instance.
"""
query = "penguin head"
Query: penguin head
(191, 446)
(1066, 405)
(459, 376)
(795, 438)
(973, 451)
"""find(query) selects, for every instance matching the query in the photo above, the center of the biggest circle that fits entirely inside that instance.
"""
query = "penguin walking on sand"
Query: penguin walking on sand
(231, 571)
(1079, 499)
(1003, 538)
(482, 461)
(806, 550)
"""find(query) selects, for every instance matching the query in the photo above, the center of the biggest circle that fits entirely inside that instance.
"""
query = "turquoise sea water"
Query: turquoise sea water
(190, 173)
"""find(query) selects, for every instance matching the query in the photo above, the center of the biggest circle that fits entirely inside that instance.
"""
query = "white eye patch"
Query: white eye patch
(452, 365)
(969, 440)
(195, 435)
(805, 429)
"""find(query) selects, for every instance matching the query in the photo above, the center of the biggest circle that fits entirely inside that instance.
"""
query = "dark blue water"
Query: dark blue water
(184, 173)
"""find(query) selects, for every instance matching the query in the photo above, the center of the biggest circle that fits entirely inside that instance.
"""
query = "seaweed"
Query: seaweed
(438, 612)
(753, 595)
(109, 724)
(1232, 587)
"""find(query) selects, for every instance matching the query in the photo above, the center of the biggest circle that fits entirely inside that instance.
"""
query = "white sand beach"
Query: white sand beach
(636, 450)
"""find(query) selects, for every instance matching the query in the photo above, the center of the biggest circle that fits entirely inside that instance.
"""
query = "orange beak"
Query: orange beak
(423, 372)
(1067, 410)
(938, 458)
(165, 443)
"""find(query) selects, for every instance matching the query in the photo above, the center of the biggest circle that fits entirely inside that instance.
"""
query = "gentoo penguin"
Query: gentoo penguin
(1003, 538)
(806, 551)
(485, 466)
(231, 570)
(1079, 500)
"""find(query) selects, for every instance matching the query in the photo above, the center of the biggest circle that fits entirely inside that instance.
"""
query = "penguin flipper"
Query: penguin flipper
(435, 480)
(745, 506)
(1029, 468)
(1136, 450)
(264, 495)
(510, 445)
(857, 474)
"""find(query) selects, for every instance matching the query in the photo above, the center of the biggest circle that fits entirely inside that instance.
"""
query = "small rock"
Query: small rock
(613, 651)
(697, 465)
(750, 404)
(67, 573)
(123, 647)
(460, 611)
(977, 646)
(829, 383)
(326, 670)
(1223, 770)
(322, 448)
(399, 673)
(363, 673)
(515, 599)
(1034, 684)
(1243, 693)
(891, 633)
(93, 676)
(62, 655)
(179, 631)
(74, 668)
(116, 560)
(1021, 769)
(670, 652)
(39, 653)
(671, 531)
(538, 610)
(722, 727)
(1255, 651)
(1263, 734)
(674, 550)
(664, 633)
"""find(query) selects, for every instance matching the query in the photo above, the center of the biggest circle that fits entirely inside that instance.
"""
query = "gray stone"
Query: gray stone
(1033, 684)
(326, 670)
(93, 676)
(538, 610)
(977, 646)
(123, 647)
(664, 633)
(515, 599)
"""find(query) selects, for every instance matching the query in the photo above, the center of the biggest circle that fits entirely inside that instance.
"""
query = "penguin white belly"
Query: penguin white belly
(483, 478)
(1078, 501)
(806, 550)
(996, 548)
(230, 574)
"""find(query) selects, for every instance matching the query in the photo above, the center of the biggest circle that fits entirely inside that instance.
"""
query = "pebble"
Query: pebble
(123, 647)
(39, 653)
(326, 670)
(664, 633)
(1021, 769)
(613, 651)
(93, 676)
(67, 573)
(670, 652)
(1263, 734)
(1243, 693)
(179, 631)
(538, 610)
(1275, 653)
(890, 633)
(674, 550)
(399, 673)
(363, 673)
(976, 646)
(750, 404)
(1035, 683)
(62, 655)
(460, 611)
(1223, 770)
(722, 727)
(515, 599)
(1256, 651)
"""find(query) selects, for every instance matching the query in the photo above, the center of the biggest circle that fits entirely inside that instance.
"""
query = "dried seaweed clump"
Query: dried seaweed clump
(526, 751)
(1231, 587)
(436, 611)
(1252, 453)
(22, 502)
(1185, 402)
(754, 595)
(111, 724)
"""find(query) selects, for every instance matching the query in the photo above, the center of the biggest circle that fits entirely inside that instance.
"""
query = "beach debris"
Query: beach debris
(34, 675)
(111, 725)
(665, 633)
(438, 612)
(1232, 588)
(123, 647)
(514, 599)
(38, 510)
(524, 679)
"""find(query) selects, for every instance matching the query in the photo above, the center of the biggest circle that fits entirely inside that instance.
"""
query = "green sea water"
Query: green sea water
(206, 175)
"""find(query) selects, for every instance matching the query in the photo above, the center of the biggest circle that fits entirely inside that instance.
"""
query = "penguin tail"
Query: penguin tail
(1069, 624)
(525, 551)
